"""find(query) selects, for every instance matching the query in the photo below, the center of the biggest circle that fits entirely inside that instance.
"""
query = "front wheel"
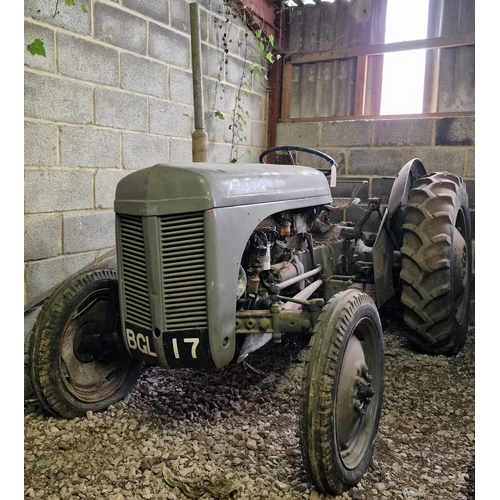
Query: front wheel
(78, 360)
(342, 392)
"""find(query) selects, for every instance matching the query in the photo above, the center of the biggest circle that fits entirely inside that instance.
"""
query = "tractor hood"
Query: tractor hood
(177, 188)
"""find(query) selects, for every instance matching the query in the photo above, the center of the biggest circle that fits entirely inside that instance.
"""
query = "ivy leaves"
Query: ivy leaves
(37, 47)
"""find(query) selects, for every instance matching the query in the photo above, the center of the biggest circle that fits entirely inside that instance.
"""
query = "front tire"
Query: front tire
(342, 392)
(437, 263)
(78, 361)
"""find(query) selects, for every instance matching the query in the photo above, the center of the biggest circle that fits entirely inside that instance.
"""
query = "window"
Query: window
(403, 72)
(368, 58)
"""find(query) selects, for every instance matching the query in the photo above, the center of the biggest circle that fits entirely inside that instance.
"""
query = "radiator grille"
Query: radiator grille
(135, 277)
(183, 271)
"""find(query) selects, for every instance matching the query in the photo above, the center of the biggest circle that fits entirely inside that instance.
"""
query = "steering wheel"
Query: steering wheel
(329, 159)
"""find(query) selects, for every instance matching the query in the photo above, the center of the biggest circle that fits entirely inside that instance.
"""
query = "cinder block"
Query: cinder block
(166, 118)
(105, 187)
(215, 128)
(339, 155)
(298, 134)
(471, 163)
(212, 62)
(181, 16)
(456, 131)
(259, 134)
(142, 151)
(220, 97)
(40, 144)
(220, 153)
(181, 151)
(72, 18)
(42, 236)
(226, 34)
(57, 190)
(120, 110)
(237, 72)
(404, 132)
(169, 46)
(347, 133)
(155, 9)
(46, 35)
(89, 147)
(254, 104)
(203, 25)
(43, 275)
(375, 161)
(88, 61)
(90, 231)
(144, 76)
(120, 28)
(181, 86)
(439, 159)
(57, 99)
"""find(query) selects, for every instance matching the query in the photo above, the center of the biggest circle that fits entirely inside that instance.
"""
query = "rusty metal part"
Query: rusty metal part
(285, 284)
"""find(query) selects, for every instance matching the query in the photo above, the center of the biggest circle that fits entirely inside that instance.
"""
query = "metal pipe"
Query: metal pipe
(199, 136)
(285, 284)
(301, 298)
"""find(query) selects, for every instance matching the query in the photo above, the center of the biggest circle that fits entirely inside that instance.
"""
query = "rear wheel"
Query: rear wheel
(437, 263)
(342, 392)
(78, 361)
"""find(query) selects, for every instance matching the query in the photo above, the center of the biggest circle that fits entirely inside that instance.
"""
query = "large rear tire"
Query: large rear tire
(342, 392)
(437, 263)
(78, 361)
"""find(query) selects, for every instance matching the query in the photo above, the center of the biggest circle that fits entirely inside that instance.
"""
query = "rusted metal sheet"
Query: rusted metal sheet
(328, 88)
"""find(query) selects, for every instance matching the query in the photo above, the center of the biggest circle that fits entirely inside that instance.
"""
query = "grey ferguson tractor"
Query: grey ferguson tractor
(214, 260)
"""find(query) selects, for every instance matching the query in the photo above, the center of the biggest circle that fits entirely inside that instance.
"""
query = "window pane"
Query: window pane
(403, 82)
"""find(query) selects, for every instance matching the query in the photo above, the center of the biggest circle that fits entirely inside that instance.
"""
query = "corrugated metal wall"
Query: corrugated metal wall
(327, 89)
(456, 65)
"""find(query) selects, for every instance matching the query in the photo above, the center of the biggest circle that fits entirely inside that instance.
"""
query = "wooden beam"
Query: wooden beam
(273, 112)
(376, 117)
(383, 48)
(359, 96)
(286, 94)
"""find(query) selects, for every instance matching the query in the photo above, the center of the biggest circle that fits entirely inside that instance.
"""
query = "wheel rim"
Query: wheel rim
(92, 361)
(354, 411)
(460, 266)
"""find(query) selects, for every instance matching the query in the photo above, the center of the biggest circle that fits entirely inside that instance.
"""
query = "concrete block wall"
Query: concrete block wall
(375, 150)
(114, 95)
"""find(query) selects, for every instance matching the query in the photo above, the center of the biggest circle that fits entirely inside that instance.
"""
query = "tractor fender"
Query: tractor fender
(390, 234)
(398, 198)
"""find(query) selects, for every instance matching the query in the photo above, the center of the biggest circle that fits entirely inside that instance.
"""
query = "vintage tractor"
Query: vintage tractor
(214, 260)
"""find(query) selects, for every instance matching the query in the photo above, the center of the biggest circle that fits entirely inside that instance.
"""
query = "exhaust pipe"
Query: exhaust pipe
(199, 136)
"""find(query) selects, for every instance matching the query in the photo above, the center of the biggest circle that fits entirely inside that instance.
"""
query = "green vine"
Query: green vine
(253, 68)
(37, 47)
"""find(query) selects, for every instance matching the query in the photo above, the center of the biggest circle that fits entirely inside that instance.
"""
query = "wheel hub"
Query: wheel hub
(354, 392)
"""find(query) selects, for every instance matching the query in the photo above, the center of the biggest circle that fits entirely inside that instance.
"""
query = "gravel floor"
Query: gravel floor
(233, 434)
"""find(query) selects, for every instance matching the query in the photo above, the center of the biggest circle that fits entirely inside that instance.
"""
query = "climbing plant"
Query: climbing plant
(257, 54)
(37, 47)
